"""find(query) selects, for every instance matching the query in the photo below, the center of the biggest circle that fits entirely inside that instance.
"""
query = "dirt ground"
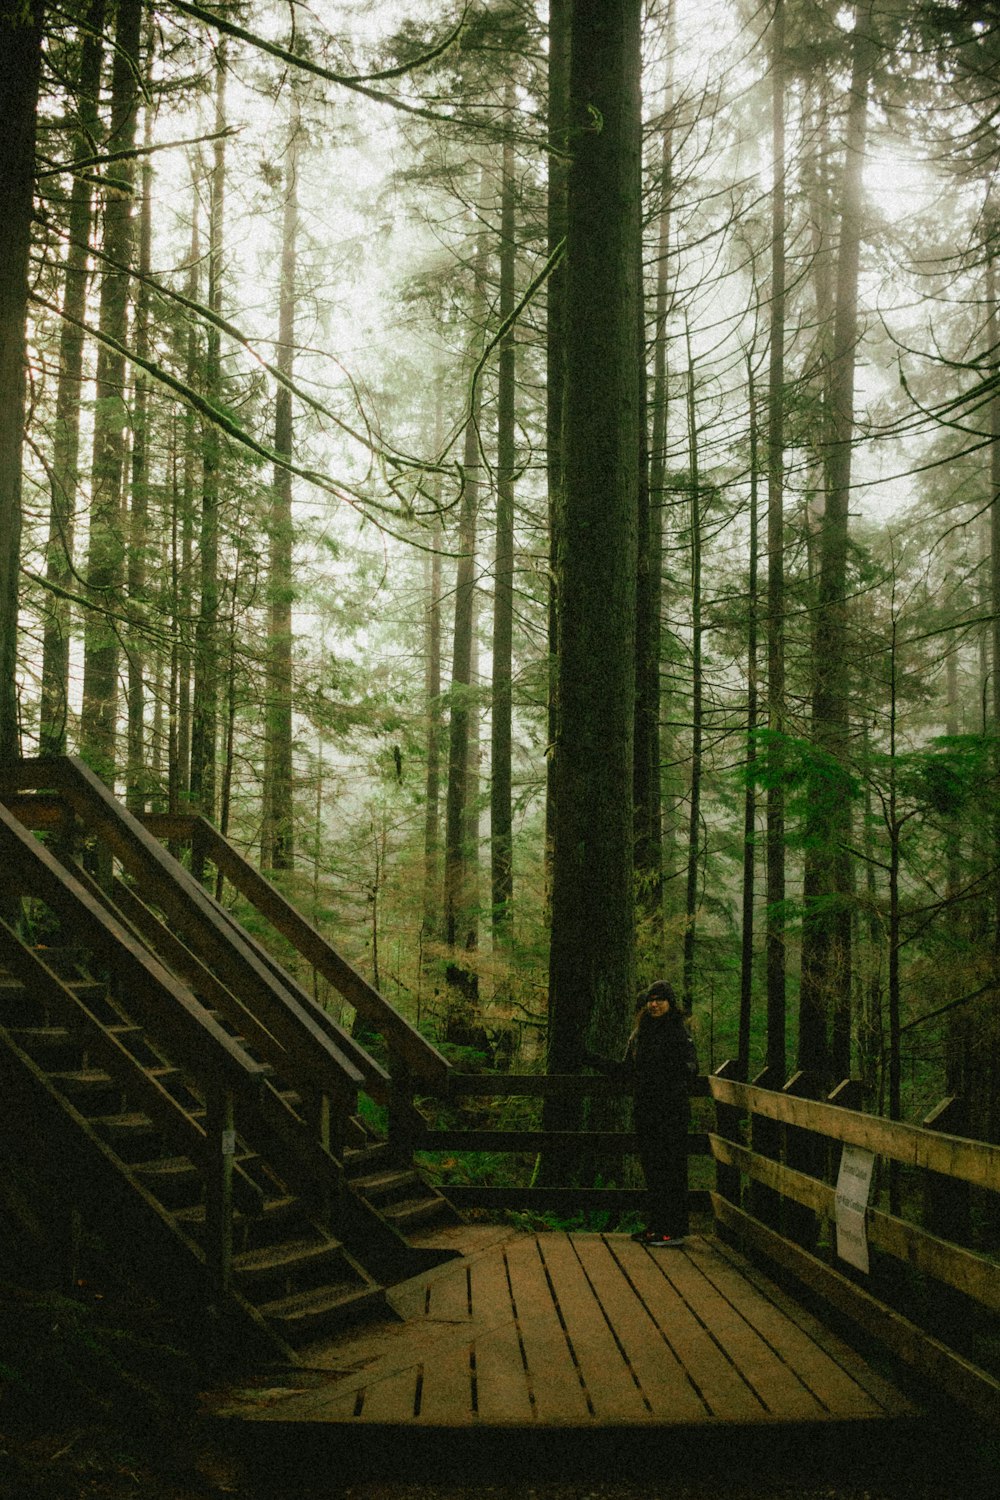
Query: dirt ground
(84, 1464)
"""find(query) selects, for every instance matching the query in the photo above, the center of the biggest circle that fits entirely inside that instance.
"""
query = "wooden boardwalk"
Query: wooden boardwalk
(584, 1331)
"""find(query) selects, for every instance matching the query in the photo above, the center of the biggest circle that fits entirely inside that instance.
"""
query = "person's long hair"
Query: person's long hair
(660, 989)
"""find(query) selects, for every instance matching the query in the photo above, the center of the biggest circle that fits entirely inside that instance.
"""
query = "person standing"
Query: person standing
(658, 1066)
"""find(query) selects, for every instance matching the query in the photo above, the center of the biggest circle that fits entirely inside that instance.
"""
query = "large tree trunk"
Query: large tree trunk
(775, 844)
(501, 826)
(592, 960)
(825, 994)
(66, 440)
(277, 837)
(105, 546)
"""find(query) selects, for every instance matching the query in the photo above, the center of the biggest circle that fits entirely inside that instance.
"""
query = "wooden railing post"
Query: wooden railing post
(402, 1127)
(728, 1121)
(765, 1140)
(802, 1151)
(946, 1200)
(221, 1130)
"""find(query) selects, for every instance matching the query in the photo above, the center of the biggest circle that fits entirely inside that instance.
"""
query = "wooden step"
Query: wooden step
(410, 1213)
(278, 1218)
(173, 1180)
(366, 1160)
(381, 1187)
(132, 1135)
(296, 1263)
(307, 1315)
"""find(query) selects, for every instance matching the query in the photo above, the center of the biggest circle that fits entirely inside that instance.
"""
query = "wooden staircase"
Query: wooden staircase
(167, 1084)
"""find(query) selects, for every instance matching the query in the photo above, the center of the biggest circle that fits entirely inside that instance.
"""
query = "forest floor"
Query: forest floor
(89, 1464)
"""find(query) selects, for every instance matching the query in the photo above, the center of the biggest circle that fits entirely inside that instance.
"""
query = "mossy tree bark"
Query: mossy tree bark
(592, 960)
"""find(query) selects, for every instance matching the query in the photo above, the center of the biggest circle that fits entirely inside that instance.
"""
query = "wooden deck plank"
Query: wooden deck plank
(448, 1295)
(555, 1384)
(607, 1376)
(502, 1391)
(446, 1386)
(887, 1396)
(662, 1377)
(393, 1397)
(833, 1385)
(725, 1392)
(776, 1383)
(585, 1331)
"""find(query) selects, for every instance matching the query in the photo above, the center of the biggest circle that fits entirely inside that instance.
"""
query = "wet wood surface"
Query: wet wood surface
(581, 1330)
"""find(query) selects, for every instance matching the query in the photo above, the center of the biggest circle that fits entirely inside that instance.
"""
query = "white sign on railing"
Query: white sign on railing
(854, 1182)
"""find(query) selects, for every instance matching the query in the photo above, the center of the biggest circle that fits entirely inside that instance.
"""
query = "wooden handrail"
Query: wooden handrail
(307, 1053)
(422, 1059)
(185, 1022)
(186, 1134)
(977, 1162)
(964, 1270)
(375, 1078)
(966, 1284)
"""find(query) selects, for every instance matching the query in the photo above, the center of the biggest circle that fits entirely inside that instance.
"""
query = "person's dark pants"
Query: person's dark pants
(663, 1140)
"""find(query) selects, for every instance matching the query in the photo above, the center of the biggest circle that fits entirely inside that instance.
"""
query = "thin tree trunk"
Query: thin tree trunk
(432, 926)
(694, 805)
(646, 758)
(205, 706)
(183, 543)
(137, 777)
(649, 843)
(432, 692)
(105, 547)
(555, 361)
(277, 839)
(457, 861)
(501, 825)
(775, 847)
(993, 344)
(66, 442)
(750, 794)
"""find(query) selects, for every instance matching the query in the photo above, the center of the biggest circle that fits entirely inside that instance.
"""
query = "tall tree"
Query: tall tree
(750, 797)
(458, 895)
(66, 438)
(775, 841)
(592, 961)
(20, 72)
(204, 703)
(138, 779)
(105, 543)
(825, 993)
(555, 357)
(652, 477)
(694, 843)
(501, 828)
(277, 835)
